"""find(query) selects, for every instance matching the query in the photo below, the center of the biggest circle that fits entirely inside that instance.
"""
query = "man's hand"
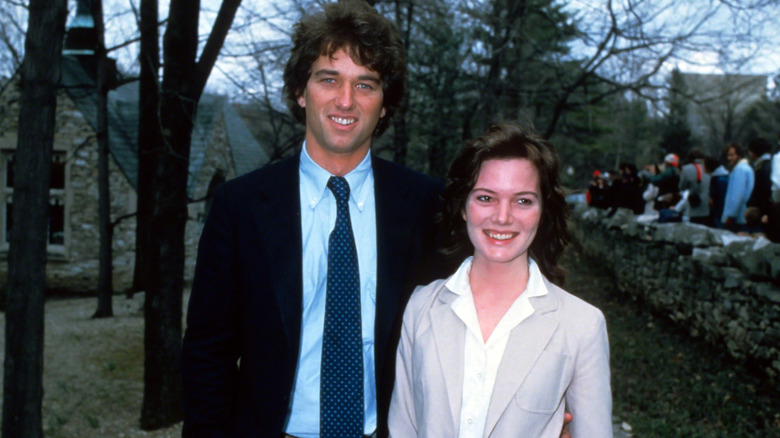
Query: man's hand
(566, 420)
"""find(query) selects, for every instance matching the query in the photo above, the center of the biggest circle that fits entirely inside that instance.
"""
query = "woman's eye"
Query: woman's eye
(524, 201)
(483, 198)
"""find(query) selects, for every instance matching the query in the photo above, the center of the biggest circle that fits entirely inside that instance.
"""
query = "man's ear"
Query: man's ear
(383, 112)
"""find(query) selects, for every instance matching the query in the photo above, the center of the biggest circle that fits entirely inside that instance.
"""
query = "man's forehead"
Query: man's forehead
(325, 64)
(358, 56)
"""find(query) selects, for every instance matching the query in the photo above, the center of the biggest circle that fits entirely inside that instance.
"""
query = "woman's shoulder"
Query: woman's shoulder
(574, 309)
(423, 297)
(426, 292)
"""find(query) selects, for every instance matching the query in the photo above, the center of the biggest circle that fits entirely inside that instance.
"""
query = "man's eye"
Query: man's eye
(365, 87)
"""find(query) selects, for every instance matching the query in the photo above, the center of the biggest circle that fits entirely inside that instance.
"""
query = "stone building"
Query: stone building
(222, 148)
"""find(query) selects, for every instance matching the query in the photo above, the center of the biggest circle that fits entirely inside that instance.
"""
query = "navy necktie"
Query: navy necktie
(341, 379)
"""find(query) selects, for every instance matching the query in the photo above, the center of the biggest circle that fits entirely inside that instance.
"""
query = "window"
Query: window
(56, 232)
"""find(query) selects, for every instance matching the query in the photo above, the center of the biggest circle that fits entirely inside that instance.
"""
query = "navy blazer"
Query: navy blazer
(241, 344)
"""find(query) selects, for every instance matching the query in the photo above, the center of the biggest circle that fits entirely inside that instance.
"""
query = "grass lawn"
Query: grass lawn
(666, 384)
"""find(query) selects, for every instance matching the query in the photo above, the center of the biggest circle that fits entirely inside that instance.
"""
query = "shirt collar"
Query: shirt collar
(459, 282)
(314, 181)
(763, 157)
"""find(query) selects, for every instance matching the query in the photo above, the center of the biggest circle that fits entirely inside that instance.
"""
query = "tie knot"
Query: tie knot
(340, 187)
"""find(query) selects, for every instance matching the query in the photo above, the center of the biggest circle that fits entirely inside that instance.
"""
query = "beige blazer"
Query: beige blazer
(556, 359)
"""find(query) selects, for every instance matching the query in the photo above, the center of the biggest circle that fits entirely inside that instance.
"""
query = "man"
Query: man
(694, 179)
(776, 173)
(666, 181)
(254, 341)
(759, 153)
(740, 186)
(719, 182)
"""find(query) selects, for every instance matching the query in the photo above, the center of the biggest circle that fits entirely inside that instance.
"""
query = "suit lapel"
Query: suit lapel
(526, 342)
(449, 336)
(276, 202)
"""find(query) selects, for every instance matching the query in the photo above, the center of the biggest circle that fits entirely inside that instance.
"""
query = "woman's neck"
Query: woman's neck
(495, 287)
(500, 277)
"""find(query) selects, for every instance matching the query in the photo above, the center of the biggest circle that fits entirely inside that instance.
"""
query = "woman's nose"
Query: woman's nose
(503, 213)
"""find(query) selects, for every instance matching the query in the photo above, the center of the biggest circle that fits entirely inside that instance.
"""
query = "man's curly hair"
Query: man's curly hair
(371, 41)
(510, 140)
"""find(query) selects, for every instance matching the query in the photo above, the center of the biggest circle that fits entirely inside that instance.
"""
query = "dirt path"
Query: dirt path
(93, 370)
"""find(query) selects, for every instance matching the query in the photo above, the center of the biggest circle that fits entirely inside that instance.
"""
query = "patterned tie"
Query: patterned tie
(341, 380)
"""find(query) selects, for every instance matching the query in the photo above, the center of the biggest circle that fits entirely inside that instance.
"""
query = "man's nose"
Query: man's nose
(346, 97)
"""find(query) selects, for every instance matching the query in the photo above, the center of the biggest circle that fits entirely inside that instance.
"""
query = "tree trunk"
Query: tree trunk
(105, 286)
(149, 133)
(23, 371)
(162, 387)
(162, 188)
(400, 133)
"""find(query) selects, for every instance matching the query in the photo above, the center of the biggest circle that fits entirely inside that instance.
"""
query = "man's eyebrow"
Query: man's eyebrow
(325, 72)
(328, 72)
(370, 78)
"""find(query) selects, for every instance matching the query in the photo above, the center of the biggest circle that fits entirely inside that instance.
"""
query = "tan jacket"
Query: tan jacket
(557, 359)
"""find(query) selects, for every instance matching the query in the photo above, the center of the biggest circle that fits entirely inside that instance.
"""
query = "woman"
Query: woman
(497, 349)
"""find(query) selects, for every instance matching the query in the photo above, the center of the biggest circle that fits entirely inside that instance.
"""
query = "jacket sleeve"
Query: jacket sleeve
(210, 347)
(589, 396)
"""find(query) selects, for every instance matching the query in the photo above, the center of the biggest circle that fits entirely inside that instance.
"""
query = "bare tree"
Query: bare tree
(11, 36)
(162, 219)
(103, 84)
(23, 373)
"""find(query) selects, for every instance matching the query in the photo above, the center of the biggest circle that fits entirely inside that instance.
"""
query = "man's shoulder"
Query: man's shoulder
(404, 176)
(270, 174)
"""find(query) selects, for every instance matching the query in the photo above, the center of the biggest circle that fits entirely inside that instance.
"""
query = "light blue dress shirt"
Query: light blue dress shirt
(741, 181)
(318, 217)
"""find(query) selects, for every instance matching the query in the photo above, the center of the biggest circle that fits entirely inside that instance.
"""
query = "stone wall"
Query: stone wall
(718, 286)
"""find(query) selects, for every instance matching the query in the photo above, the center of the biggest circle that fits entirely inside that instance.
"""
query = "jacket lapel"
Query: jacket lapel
(449, 337)
(277, 200)
(526, 342)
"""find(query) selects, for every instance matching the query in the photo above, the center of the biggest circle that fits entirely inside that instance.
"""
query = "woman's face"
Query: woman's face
(503, 211)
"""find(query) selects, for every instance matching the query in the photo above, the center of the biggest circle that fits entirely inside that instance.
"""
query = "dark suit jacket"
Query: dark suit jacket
(244, 320)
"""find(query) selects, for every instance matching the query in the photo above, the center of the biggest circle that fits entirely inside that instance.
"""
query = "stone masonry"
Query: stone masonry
(719, 286)
(72, 267)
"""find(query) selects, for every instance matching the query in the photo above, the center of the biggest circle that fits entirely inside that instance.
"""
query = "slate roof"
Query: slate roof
(123, 125)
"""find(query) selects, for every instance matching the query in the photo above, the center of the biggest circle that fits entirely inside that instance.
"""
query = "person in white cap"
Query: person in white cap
(666, 181)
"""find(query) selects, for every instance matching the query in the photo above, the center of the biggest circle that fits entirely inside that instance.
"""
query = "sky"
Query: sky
(714, 51)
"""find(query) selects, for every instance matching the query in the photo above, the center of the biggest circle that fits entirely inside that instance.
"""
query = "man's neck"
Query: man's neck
(337, 164)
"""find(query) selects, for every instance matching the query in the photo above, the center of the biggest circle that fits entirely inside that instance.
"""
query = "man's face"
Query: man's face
(343, 103)
(732, 157)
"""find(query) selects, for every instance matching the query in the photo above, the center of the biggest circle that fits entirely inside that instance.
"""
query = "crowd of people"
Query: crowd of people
(740, 192)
